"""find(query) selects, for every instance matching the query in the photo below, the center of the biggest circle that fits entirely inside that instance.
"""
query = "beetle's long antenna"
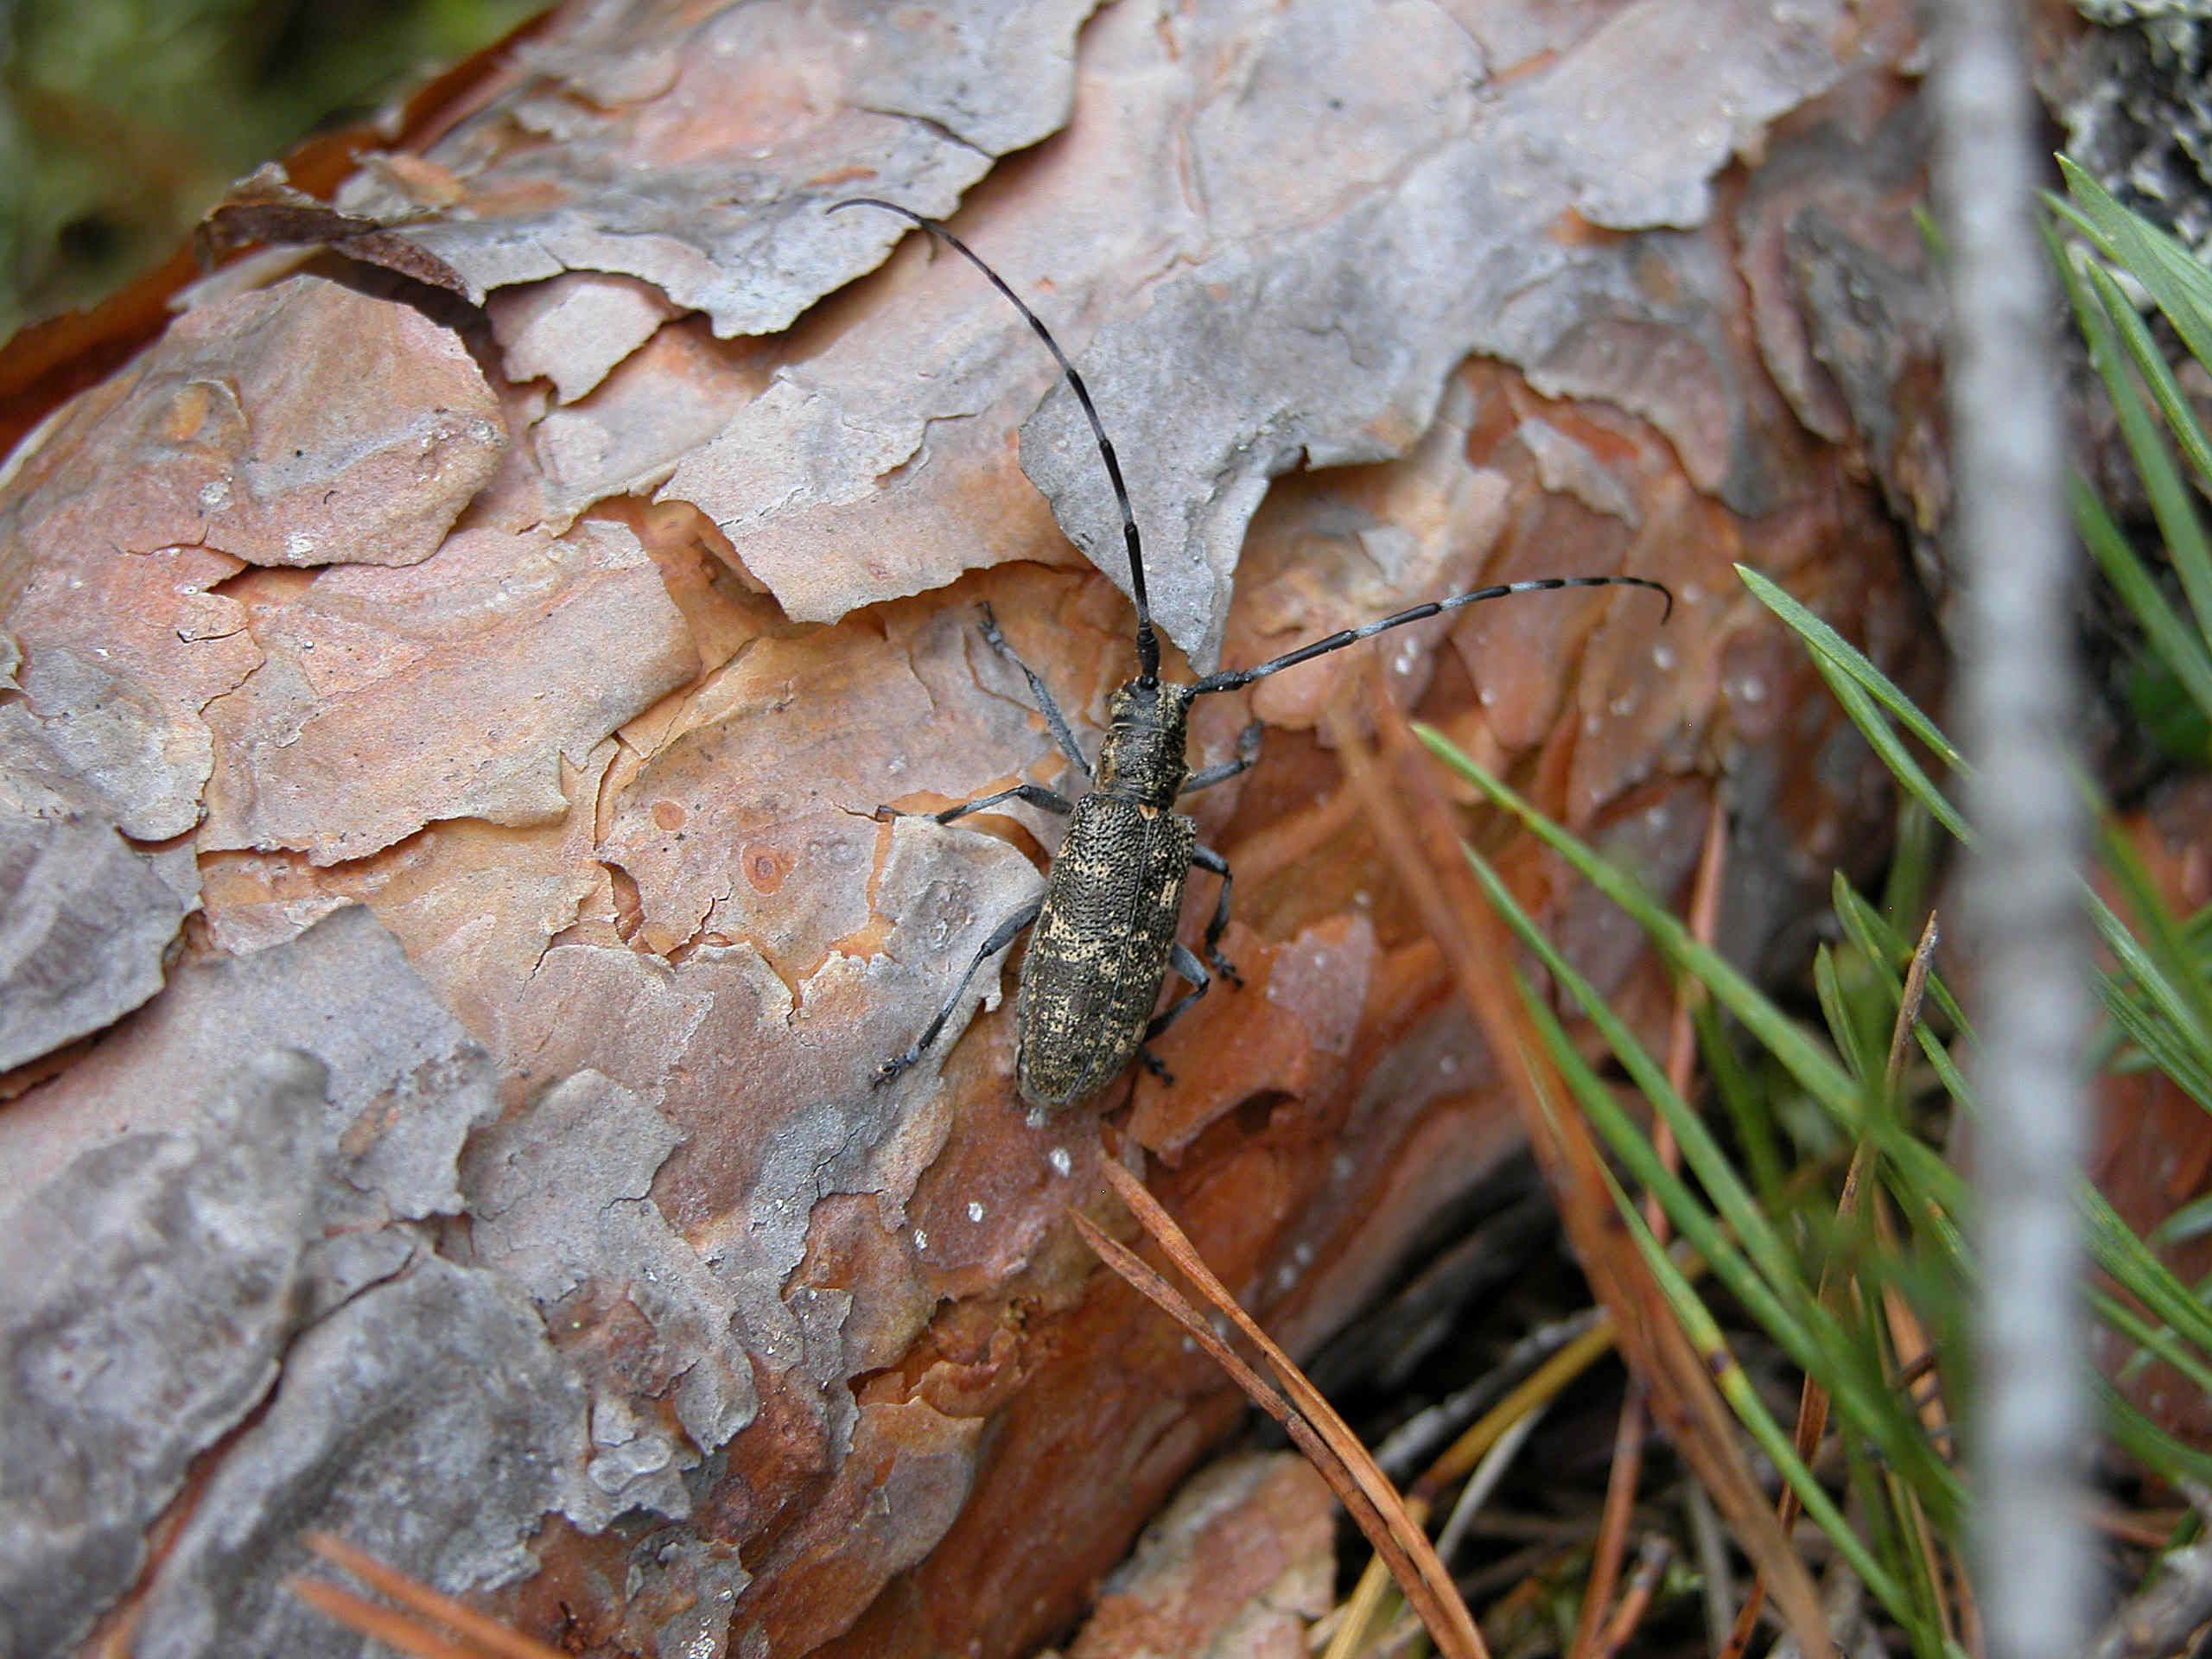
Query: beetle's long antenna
(1229, 679)
(1148, 643)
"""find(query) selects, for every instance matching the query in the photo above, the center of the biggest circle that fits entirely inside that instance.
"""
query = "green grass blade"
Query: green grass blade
(1864, 692)
(2157, 1041)
(2192, 1220)
(1829, 647)
(1947, 1070)
(1892, 751)
(2140, 1273)
(1746, 1105)
(1932, 1192)
(1882, 943)
(2160, 1342)
(1867, 929)
(2164, 940)
(2174, 999)
(1913, 872)
(1817, 1072)
(1754, 1231)
(2158, 378)
(1735, 1385)
(2148, 1444)
(1759, 1267)
(2174, 278)
(2105, 316)
(2170, 639)
(1845, 1030)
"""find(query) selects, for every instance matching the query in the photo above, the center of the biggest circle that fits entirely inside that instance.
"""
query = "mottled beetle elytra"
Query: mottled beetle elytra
(1105, 928)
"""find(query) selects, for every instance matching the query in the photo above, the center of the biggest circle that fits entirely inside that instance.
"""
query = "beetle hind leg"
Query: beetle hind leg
(1191, 969)
(1206, 859)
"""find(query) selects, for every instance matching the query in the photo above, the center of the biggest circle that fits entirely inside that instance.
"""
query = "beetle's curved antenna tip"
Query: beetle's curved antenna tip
(1148, 642)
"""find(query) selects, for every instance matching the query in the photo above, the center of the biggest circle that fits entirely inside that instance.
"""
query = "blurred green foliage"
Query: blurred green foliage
(121, 121)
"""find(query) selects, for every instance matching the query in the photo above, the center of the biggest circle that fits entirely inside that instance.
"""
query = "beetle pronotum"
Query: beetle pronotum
(1105, 934)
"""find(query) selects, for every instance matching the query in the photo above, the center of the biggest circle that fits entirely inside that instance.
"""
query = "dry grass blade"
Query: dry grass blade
(1812, 1425)
(1911, 1345)
(1536, 1391)
(1312, 1424)
(1909, 1005)
(412, 1626)
(1610, 1545)
(1358, 1612)
(1812, 1399)
(1682, 1392)
(1526, 1401)
(1137, 1273)
(1626, 1473)
(1650, 1566)
(1914, 1350)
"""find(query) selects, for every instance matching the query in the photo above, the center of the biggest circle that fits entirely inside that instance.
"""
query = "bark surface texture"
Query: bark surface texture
(446, 948)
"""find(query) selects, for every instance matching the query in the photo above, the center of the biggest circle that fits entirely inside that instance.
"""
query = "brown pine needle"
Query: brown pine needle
(1411, 810)
(1908, 1340)
(410, 1627)
(1915, 992)
(393, 1626)
(1626, 1473)
(1312, 1423)
(1608, 1548)
(1651, 1564)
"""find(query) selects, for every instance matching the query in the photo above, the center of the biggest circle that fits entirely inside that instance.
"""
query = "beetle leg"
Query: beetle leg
(1181, 959)
(1034, 794)
(1247, 755)
(1206, 859)
(1053, 718)
(1001, 937)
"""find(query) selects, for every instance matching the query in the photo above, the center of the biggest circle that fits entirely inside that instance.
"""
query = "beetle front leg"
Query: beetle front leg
(1000, 938)
(1053, 718)
(1247, 756)
(1206, 859)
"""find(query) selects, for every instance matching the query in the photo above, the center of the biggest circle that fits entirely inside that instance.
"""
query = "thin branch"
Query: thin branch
(2022, 908)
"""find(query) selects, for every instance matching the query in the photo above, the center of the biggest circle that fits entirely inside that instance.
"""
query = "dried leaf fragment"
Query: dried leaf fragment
(265, 207)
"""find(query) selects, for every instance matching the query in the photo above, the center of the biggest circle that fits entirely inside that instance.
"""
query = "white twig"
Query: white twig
(2024, 923)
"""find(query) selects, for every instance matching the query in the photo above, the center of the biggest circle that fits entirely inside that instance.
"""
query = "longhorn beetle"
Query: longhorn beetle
(1105, 931)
